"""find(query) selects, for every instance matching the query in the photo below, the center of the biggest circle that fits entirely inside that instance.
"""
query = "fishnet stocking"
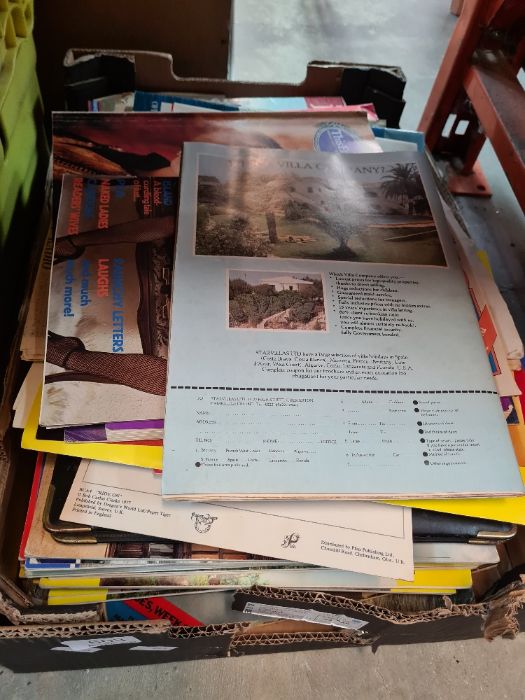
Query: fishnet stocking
(143, 372)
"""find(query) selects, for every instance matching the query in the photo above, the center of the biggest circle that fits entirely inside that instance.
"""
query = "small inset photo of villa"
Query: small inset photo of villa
(276, 301)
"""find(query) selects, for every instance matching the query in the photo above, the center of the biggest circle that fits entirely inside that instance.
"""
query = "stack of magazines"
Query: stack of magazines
(271, 357)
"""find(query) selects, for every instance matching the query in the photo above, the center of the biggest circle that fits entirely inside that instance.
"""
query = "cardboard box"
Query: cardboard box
(24, 649)
(195, 32)
(41, 646)
(51, 639)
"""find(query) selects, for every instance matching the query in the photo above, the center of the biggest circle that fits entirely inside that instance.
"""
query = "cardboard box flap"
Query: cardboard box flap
(130, 643)
(360, 609)
(154, 72)
(504, 610)
(103, 645)
(72, 630)
(499, 616)
(280, 627)
(303, 610)
(297, 641)
(76, 646)
(49, 615)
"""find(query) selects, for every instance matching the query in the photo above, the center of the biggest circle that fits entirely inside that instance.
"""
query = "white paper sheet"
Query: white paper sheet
(25, 398)
(364, 537)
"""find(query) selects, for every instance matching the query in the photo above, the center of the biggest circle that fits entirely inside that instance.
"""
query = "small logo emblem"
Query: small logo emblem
(202, 522)
(290, 540)
(335, 138)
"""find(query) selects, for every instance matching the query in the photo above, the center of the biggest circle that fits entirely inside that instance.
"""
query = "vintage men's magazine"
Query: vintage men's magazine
(150, 144)
(109, 301)
(335, 352)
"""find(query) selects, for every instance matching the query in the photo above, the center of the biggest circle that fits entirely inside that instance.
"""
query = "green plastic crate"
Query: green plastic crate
(16, 24)
(23, 163)
(21, 133)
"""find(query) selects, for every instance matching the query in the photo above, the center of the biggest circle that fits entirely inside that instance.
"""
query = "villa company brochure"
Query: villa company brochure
(323, 342)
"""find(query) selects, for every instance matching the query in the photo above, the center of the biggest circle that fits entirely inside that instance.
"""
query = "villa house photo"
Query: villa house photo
(276, 301)
(287, 283)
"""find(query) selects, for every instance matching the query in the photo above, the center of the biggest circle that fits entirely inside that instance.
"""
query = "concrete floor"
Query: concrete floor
(464, 671)
(275, 39)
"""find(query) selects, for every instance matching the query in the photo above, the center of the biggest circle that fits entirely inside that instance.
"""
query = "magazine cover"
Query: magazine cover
(150, 144)
(336, 352)
(109, 299)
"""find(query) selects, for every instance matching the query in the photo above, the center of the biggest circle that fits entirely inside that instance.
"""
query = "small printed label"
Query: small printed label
(158, 608)
(321, 618)
(78, 651)
(144, 648)
(93, 645)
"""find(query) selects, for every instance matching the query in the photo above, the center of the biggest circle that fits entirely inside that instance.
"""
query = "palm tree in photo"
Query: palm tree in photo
(403, 183)
(398, 184)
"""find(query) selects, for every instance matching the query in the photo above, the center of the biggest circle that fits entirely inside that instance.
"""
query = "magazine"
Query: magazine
(150, 144)
(173, 102)
(370, 538)
(128, 431)
(42, 553)
(319, 579)
(32, 344)
(335, 352)
(110, 291)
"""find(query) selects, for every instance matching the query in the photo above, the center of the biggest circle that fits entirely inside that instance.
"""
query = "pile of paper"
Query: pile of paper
(313, 388)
